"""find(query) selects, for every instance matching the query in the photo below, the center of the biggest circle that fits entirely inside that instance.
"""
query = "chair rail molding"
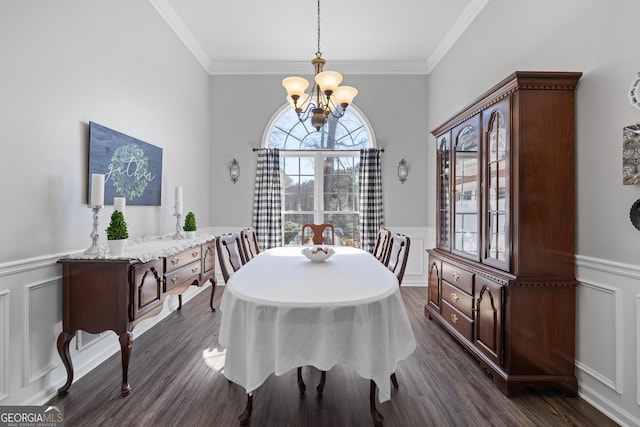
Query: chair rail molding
(415, 274)
(41, 312)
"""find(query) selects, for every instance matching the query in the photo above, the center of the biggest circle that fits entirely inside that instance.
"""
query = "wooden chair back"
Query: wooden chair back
(230, 253)
(398, 255)
(249, 241)
(318, 233)
(383, 243)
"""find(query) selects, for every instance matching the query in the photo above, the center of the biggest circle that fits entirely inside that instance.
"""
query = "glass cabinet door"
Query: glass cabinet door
(466, 188)
(444, 193)
(496, 125)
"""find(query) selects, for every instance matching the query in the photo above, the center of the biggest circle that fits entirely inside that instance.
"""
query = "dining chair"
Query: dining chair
(396, 261)
(383, 243)
(249, 241)
(318, 230)
(317, 239)
(233, 250)
(398, 254)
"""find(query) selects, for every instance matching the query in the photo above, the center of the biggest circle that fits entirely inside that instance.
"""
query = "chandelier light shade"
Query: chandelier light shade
(326, 96)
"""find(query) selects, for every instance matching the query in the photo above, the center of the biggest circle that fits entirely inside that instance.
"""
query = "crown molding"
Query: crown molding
(169, 14)
(305, 67)
(458, 28)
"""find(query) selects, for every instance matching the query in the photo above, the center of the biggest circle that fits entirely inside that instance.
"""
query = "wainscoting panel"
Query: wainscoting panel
(608, 330)
(415, 274)
(43, 320)
(5, 305)
(598, 351)
(637, 323)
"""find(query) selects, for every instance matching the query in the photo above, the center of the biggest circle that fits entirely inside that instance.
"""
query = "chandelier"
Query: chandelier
(325, 98)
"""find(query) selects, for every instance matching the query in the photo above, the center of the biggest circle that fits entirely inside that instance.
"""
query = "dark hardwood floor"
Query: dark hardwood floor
(176, 379)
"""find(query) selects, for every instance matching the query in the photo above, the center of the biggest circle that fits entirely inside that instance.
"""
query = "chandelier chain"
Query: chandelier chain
(318, 53)
(330, 98)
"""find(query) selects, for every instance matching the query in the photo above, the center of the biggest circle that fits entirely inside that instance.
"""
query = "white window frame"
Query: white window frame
(318, 155)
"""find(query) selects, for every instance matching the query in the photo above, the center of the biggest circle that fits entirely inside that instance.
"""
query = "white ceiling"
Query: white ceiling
(280, 36)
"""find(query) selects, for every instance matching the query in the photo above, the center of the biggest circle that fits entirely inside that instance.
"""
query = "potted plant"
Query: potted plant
(117, 233)
(189, 225)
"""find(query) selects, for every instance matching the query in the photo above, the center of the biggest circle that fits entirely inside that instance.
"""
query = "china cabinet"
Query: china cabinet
(502, 275)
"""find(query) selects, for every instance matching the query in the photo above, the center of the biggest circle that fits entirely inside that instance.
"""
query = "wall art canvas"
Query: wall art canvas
(131, 168)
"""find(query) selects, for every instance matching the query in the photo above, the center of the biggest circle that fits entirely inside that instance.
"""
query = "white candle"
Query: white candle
(97, 189)
(119, 204)
(178, 204)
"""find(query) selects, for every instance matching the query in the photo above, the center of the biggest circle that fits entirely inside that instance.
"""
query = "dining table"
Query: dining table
(281, 311)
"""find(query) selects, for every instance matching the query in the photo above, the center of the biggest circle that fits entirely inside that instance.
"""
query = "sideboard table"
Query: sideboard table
(101, 293)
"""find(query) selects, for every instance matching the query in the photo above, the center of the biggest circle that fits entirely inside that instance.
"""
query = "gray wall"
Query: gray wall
(65, 63)
(599, 38)
(117, 63)
(596, 37)
(242, 107)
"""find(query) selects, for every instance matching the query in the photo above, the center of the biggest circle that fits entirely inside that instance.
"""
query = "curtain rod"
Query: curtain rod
(258, 149)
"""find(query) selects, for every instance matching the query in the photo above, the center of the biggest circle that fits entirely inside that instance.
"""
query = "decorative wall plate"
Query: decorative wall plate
(631, 155)
(634, 92)
(634, 214)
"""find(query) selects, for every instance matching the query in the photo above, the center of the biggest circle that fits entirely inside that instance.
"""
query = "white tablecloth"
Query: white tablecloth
(281, 311)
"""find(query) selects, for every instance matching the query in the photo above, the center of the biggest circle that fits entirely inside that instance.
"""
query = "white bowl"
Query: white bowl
(318, 253)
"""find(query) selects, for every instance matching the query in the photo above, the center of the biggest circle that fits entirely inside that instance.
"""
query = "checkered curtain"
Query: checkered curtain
(371, 208)
(267, 205)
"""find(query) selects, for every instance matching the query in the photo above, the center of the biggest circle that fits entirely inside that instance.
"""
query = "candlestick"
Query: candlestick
(97, 189)
(119, 204)
(178, 202)
(179, 233)
(93, 249)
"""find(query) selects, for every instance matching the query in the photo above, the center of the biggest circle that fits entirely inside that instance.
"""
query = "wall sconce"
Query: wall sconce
(403, 170)
(234, 170)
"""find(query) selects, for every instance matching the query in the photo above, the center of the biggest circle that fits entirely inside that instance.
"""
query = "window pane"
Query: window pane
(291, 165)
(341, 183)
(346, 228)
(307, 166)
(292, 225)
(298, 188)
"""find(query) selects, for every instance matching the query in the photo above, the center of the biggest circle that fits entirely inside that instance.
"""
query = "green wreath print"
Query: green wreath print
(131, 168)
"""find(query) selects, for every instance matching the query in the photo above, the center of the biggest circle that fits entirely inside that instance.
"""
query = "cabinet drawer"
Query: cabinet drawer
(183, 276)
(460, 300)
(457, 320)
(458, 277)
(181, 259)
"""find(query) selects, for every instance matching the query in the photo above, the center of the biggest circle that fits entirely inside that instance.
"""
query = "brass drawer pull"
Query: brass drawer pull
(194, 254)
(454, 318)
(455, 297)
(455, 276)
(194, 268)
(175, 260)
(175, 278)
